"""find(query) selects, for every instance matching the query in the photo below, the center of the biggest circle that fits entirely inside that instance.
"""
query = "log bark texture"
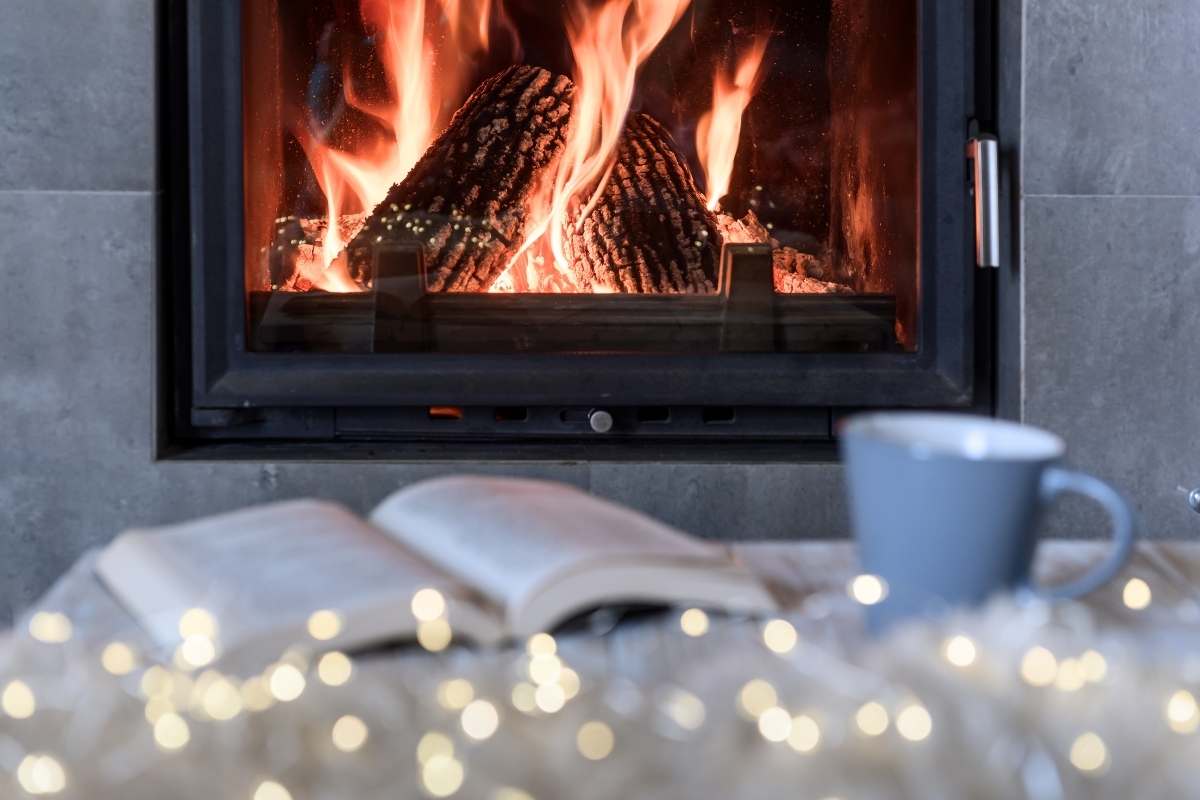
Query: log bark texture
(650, 231)
(465, 200)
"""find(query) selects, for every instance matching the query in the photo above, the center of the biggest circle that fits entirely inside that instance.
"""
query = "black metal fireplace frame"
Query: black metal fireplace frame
(214, 391)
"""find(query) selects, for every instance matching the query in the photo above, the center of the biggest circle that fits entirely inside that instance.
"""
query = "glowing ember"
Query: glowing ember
(720, 129)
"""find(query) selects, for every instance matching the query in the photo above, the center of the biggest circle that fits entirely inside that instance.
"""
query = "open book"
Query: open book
(511, 557)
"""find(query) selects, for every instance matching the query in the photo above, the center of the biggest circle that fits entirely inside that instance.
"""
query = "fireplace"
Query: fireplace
(525, 225)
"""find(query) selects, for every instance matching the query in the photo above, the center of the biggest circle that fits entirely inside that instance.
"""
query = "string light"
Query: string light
(595, 740)
(197, 622)
(544, 669)
(756, 696)
(349, 733)
(428, 605)
(171, 732)
(914, 723)
(775, 724)
(524, 697)
(868, 589)
(693, 622)
(509, 793)
(1136, 594)
(684, 708)
(550, 698)
(959, 650)
(442, 775)
(434, 635)
(221, 700)
(1095, 667)
(805, 735)
(1182, 713)
(432, 745)
(255, 694)
(1071, 676)
(541, 644)
(196, 651)
(324, 625)
(454, 694)
(18, 700)
(480, 719)
(50, 627)
(118, 658)
(1039, 666)
(334, 668)
(285, 682)
(779, 636)
(41, 774)
(872, 718)
(1089, 753)
(272, 790)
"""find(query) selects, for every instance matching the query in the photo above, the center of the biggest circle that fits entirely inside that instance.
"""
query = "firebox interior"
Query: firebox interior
(617, 176)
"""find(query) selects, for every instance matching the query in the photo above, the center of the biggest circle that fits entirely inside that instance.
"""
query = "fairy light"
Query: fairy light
(221, 700)
(255, 694)
(41, 774)
(1071, 675)
(684, 708)
(118, 659)
(756, 696)
(285, 682)
(568, 679)
(197, 622)
(428, 605)
(595, 740)
(334, 668)
(349, 733)
(155, 681)
(544, 669)
(1136, 595)
(442, 775)
(18, 701)
(510, 793)
(550, 698)
(775, 724)
(1182, 712)
(779, 636)
(432, 745)
(171, 732)
(1039, 666)
(872, 718)
(693, 622)
(914, 723)
(868, 589)
(272, 790)
(50, 627)
(156, 707)
(196, 651)
(524, 698)
(959, 651)
(1095, 666)
(324, 625)
(1089, 753)
(479, 719)
(434, 635)
(541, 644)
(455, 694)
(805, 735)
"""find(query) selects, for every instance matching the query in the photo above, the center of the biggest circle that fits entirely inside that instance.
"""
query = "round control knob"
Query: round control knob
(600, 420)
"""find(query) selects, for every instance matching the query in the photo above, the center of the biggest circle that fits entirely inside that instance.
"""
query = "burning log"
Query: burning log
(465, 200)
(650, 231)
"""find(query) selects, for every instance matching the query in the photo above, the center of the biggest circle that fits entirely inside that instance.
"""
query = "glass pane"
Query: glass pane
(584, 175)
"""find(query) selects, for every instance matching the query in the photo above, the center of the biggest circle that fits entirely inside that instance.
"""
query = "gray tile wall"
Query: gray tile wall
(1111, 246)
(1110, 284)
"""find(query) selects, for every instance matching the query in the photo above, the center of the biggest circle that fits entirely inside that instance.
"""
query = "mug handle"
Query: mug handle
(1057, 481)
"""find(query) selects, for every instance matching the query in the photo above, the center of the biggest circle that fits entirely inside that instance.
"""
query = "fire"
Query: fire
(609, 42)
(418, 106)
(720, 129)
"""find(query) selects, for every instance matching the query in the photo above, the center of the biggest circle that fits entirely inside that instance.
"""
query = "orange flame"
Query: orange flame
(609, 43)
(720, 129)
(418, 106)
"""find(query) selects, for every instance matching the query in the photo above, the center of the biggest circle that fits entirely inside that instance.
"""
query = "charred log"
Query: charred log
(650, 231)
(465, 200)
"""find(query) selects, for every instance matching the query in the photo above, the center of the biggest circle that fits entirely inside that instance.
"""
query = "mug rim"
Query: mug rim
(927, 434)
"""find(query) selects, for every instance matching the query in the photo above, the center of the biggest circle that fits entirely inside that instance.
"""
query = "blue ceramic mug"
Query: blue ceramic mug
(944, 508)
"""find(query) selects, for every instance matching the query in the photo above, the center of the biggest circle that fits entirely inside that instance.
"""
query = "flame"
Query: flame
(418, 106)
(720, 129)
(609, 42)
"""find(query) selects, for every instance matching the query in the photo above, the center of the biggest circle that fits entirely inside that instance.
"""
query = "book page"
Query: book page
(266, 569)
(508, 537)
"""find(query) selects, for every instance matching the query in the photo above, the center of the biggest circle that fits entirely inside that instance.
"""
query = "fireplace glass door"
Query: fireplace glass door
(580, 176)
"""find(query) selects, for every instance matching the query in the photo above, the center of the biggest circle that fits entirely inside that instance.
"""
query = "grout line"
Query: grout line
(1028, 196)
(102, 192)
